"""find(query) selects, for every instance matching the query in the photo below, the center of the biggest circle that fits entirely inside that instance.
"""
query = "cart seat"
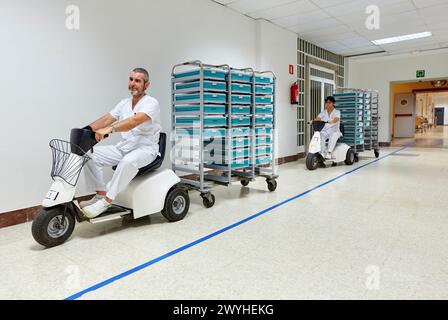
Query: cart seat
(342, 129)
(159, 160)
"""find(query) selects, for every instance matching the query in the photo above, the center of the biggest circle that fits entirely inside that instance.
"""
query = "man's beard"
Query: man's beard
(134, 92)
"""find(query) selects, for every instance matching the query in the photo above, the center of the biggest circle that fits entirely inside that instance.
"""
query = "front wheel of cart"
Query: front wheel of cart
(52, 227)
(245, 182)
(208, 200)
(272, 185)
(377, 154)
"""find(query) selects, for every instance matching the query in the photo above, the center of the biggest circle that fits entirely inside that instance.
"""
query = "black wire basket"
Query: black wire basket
(68, 161)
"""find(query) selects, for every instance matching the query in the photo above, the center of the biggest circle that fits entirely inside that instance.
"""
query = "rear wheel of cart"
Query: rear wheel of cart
(377, 154)
(245, 182)
(208, 200)
(350, 158)
(272, 184)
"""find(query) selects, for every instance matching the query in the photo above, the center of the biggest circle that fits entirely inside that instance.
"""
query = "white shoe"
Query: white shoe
(329, 156)
(91, 201)
(96, 209)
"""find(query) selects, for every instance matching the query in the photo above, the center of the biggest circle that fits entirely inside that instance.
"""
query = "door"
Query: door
(404, 116)
(440, 114)
(322, 85)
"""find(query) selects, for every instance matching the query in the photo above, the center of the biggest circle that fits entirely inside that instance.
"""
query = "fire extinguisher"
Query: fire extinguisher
(295, 93)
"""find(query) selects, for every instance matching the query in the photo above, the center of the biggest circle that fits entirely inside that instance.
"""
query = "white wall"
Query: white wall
(53, 79)
(276, 50)
(378, 73)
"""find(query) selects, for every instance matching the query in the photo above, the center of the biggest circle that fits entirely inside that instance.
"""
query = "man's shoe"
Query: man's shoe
(329, 156)
(96, 209)
(91, 201)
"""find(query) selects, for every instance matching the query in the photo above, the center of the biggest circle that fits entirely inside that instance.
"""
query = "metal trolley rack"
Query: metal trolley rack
(359, 115)
(223, 124)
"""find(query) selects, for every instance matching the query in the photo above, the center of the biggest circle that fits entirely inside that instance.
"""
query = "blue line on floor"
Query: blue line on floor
(203, 239)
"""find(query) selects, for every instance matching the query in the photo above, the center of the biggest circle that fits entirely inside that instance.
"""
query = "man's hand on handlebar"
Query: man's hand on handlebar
(103, 133)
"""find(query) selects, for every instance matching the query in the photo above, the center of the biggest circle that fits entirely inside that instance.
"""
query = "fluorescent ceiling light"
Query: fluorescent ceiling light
(402, 38)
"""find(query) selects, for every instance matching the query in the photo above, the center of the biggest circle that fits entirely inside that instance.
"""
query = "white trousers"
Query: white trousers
(127, 168)
(333, 138)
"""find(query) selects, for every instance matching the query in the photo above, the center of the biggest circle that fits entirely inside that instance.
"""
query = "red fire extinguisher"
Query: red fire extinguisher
(295, 93)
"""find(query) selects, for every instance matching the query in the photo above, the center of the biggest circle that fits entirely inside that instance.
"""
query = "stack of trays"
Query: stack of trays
(352, 106)
(264, 100)
(234, 109)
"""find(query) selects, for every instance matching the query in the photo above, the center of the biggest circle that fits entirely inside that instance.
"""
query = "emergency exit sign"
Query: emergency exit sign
(421, 73)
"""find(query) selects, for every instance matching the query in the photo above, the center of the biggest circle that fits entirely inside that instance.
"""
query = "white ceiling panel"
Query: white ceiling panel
(295, 8)
(340, 25)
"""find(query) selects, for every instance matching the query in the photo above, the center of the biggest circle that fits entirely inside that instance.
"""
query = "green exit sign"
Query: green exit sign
(421, 73)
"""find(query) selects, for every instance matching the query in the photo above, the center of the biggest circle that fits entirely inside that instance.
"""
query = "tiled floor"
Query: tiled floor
(379, 232)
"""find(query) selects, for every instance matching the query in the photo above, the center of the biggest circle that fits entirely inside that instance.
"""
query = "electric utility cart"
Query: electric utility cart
(223, 121)
(153, 190)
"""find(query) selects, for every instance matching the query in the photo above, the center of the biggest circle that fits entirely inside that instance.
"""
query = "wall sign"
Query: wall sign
(421, 73)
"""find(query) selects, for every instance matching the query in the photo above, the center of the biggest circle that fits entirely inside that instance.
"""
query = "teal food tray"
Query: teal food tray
(208, 109)
(240, 142)
(241, 88)
(264, 109)
(208, 121)
(263, 150)
(241, 99)
(263, 100)
(351, 112)
(208, 74)
(208, 85)
(236, 132)
(241, 110)
(263, 120)
(263, 80)
(263, 131)
(208, 133)
(241, 77)
(263, 140)
(208, 98)
(348, 94)
(264, 89)
(240, 121)
(263, 160)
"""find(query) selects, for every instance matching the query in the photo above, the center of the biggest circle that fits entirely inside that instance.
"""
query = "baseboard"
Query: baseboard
(385, 144)
(11, 218)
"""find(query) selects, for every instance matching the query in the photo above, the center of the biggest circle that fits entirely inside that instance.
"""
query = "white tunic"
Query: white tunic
(146, 135)
(331, 128)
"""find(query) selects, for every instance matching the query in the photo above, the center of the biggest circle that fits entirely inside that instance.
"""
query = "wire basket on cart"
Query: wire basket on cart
(68, 161)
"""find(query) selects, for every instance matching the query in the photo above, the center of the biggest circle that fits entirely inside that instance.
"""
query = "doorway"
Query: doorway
(440, 116)
(321, 85)
(411, 122)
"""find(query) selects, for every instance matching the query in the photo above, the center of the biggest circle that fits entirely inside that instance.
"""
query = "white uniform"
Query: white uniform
(138, 148)
(330, 132)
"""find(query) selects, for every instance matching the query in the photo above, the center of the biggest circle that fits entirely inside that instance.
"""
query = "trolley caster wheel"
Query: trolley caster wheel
(356, 158)
(245, 182)
(377, 154)
(334, 164)
(272, 184)
(208, 200)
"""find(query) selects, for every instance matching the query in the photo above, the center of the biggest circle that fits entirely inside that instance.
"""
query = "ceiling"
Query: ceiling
(340, 25)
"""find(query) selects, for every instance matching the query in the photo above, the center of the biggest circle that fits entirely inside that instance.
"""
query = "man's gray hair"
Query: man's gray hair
(144, 72)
